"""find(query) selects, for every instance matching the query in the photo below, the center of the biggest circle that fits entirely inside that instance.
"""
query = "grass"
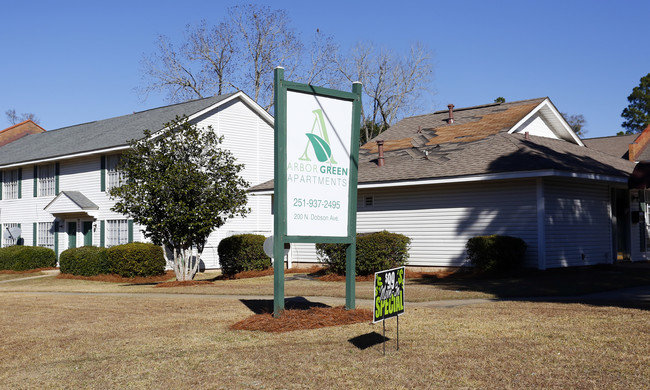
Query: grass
(560, 282)
(173, 341)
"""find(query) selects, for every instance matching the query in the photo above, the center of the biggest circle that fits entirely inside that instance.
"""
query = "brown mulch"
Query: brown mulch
(184, 283)
(312, 318)
(29, 271)
(269, 271)
(113, 278)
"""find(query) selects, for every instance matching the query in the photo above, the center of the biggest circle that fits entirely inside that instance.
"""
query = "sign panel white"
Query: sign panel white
(319, 132)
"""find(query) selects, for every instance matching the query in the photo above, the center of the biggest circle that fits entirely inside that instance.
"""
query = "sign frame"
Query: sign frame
(280, 204)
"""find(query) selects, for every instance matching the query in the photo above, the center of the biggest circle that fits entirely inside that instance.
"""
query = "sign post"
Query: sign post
(316, 167)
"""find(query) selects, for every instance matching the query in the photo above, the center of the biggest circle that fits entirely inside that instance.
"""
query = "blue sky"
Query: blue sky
(71, 62)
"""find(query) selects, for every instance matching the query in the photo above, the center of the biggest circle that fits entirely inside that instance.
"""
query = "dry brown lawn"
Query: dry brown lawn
(75, 341)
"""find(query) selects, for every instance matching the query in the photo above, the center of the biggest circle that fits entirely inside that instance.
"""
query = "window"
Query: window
(45, 235)
(114, 177)
(10, 184)
(117, 232)
(46, 180)
(7, 240)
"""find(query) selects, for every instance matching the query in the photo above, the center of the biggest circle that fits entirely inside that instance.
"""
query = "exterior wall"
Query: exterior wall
(246, 134)
(639, 240)
(578, 223)
(537, 126)
(79, 174)
(440, 219)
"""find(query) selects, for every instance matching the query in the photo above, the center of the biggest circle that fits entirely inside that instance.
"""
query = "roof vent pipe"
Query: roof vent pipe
(451, 113)
(380, 149)
(527, 136)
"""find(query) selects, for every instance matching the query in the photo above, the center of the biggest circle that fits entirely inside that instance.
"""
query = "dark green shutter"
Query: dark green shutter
(35, 181)
(1, 187)
(103, 173)
(56, 179)
(20, 183)
(56, 239)
(130, 225)
(34, 241)
(102, 229)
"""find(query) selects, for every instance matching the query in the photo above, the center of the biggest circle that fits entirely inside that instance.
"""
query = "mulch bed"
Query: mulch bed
(113, 278)
(29, 271)
(312, 318)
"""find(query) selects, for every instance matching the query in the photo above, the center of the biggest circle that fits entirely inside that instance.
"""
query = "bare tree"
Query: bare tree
(393, 85)
(214, 48)
(173, 72)
(265, 40)
(14, 118)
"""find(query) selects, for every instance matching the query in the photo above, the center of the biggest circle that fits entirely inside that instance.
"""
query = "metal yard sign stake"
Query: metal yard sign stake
(315, 179)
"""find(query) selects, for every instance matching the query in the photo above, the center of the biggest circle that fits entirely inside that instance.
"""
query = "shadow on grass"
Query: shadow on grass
(264, 306)
(368, 340)
(575, 285)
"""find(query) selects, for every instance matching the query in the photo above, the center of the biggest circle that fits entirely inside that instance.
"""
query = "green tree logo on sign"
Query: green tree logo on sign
(319, 140)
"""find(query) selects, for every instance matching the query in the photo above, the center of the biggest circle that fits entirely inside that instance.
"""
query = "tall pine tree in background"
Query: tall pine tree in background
(637, 113)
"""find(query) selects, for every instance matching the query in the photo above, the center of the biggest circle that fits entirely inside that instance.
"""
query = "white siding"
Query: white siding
(440, 219)
(577, 223)
(246, 134)
(537, 126)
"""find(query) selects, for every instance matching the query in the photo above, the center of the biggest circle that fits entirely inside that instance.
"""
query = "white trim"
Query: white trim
(541, 225)
(245, 99)
(66, 157)
(486, 177)
(547, 103)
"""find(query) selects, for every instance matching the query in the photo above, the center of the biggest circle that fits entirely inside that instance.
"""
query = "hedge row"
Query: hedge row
(242, 252)
(128, 260)
(23, 258)
(374, 252)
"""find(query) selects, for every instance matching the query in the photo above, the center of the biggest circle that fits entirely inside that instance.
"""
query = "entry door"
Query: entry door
(72, 234)
(87, 230)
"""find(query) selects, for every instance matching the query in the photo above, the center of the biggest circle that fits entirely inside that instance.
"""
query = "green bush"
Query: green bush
(23, 258)
(242, 252)
(374, 252)
(496, 254)
(84, 261)
(136, 259)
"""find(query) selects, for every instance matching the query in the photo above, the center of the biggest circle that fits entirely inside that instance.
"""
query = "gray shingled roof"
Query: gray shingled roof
(615, 145)
(98, 135)
(80, 200)
(494, 152)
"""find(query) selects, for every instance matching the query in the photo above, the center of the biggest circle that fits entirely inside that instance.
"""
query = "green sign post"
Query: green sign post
(316, 165)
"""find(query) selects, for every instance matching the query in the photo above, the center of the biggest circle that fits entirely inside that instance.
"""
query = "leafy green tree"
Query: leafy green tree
(500, 99)
(182, 186)
(637, 113)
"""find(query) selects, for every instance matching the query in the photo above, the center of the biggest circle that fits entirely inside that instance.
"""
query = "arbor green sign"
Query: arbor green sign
(315, 173)
(389, 294)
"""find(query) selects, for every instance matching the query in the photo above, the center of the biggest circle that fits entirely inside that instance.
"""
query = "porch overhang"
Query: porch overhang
(72, 204)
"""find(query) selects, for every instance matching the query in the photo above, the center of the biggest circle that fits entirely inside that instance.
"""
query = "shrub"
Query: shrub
(374, 252)
(22, 258)
(242, 252)
(84, 261)
(496, 254)
(136, 259)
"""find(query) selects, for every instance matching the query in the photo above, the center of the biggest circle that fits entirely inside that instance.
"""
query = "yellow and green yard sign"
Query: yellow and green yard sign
(389, 294)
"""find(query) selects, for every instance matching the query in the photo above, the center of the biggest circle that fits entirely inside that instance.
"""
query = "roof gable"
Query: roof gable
(546, 121)
(19, 130)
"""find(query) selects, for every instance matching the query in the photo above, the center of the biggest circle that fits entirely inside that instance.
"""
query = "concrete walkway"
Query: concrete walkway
(628, 297)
